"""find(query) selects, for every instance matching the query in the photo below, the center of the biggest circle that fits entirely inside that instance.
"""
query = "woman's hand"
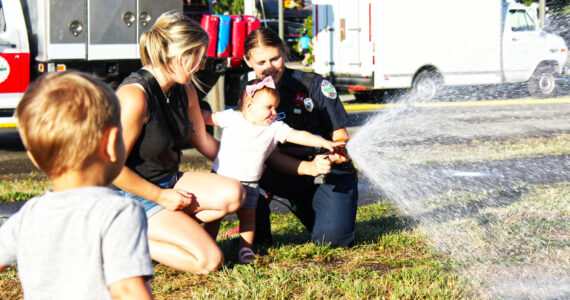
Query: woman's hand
(175, 199)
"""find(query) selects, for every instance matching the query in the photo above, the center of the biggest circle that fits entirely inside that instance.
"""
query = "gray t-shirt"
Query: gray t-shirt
(73, 244)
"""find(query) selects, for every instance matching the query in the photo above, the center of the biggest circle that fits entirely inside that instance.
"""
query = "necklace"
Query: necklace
(167, 96)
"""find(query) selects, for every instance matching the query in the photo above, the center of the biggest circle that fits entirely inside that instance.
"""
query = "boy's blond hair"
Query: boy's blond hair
(62, 118)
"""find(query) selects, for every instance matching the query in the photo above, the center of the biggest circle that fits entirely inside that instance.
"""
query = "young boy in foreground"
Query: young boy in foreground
(81, 240)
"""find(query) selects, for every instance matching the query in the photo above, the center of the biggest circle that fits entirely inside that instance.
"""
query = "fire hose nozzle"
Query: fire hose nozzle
(339, 150)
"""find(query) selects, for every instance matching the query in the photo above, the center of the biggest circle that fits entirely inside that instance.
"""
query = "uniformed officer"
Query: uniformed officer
(311, 103)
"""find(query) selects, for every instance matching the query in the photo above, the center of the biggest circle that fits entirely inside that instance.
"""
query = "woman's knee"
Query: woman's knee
(233, 196)
(209, 261)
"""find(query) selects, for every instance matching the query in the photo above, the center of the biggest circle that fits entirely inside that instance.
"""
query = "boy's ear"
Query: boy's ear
(109, 141)
(32, 159)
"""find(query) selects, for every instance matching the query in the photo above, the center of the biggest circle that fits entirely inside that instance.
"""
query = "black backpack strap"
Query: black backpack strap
(159, 95)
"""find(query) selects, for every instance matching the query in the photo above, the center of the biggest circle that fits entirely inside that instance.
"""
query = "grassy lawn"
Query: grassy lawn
(513, 243)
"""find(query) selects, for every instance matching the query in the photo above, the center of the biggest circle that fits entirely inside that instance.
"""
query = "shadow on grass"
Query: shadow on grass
(373, 228)
(375, 223)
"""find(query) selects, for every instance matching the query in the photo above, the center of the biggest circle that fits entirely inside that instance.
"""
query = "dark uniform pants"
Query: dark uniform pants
(327, 210)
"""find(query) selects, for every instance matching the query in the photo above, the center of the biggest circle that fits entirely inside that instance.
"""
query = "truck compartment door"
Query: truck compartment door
(149, 10)
(112, 29)
(61, 31)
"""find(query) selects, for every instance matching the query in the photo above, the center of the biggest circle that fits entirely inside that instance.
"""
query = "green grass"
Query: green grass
(395, 264)
(14, 188)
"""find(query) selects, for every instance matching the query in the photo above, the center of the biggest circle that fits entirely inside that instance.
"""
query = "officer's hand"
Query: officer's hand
(175, 199)
(337, 159)
(321, 165)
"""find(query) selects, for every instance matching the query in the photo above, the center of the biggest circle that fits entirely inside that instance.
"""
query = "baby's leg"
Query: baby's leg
(246, 227)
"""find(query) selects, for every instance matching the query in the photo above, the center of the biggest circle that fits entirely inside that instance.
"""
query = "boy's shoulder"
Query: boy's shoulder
(97, 200)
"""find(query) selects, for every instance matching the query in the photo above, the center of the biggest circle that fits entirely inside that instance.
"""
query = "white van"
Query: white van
(423, 45)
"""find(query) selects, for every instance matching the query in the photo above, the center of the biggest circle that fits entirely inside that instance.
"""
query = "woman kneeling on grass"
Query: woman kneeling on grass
(160, 113)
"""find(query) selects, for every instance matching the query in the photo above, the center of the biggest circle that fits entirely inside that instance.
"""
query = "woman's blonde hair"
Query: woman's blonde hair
(62, 118)
(173, 36)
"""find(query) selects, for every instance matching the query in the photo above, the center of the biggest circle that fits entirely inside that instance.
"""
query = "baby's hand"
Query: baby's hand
(328, 145)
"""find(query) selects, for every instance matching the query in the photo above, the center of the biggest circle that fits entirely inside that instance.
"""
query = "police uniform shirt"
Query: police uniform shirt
(316, 109)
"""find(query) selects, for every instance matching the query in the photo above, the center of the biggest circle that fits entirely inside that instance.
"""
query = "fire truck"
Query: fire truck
(100, 37)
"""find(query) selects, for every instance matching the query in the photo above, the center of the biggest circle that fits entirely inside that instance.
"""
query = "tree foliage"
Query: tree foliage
(230, 7)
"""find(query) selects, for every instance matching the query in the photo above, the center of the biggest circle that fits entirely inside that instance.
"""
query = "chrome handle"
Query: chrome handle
(145, 18)
(75, 27)
(129, 18)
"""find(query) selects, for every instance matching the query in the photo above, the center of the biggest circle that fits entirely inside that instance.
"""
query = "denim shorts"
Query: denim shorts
(252, 193)
(151, 207)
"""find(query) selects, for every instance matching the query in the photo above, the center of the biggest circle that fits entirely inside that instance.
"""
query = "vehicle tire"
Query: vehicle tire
(426, 85)
(542, 84)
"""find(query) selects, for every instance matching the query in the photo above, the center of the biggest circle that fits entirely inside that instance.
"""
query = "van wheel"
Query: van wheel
(426, 85)
(542, 84)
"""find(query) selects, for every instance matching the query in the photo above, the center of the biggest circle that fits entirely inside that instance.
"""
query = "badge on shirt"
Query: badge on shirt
(309, 105)
(299, 97)
(328, 89)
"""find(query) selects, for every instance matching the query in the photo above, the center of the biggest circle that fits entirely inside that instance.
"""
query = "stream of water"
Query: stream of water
(508, 239)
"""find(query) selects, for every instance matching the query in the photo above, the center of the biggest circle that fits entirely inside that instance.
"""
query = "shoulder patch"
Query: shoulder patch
(328, 89)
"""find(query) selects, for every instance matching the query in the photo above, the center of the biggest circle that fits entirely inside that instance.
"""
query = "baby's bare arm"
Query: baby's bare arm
(308, 139)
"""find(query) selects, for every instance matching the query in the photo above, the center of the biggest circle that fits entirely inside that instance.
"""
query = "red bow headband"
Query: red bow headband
(266, 82)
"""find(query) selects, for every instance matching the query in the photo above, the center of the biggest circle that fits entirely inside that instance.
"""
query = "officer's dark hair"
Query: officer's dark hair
(263, 37)
(245, 96)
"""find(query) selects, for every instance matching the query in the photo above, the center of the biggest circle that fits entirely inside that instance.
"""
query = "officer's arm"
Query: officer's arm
(290, 165)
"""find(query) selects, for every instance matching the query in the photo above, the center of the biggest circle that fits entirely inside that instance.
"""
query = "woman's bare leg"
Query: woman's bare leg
(178, 241)
(216, 195)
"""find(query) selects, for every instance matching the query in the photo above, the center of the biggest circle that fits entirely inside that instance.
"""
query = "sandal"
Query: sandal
(246, 255)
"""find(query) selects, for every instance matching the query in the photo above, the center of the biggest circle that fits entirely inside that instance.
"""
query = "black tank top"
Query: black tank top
(155, 154)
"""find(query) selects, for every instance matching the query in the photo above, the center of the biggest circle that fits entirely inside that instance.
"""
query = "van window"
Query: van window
(2, 20)
(521, 21)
